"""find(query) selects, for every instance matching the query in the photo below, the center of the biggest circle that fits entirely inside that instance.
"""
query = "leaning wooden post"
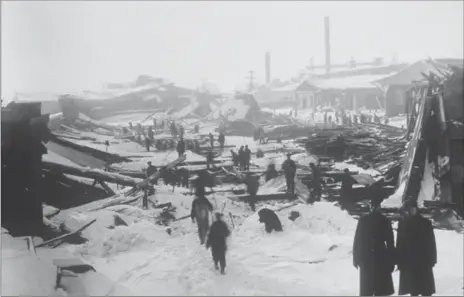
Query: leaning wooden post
(145, 199)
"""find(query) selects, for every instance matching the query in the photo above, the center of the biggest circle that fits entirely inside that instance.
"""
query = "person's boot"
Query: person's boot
(222, 270)
(216, 266)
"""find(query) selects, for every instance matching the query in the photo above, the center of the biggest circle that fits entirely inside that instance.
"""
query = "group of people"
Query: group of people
(375, 254)
(343, 118)
(243, 158)
(221, 139)
(215, 236)
(315, 184)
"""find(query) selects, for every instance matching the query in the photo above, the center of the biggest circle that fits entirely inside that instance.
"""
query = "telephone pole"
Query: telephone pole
(250, 84)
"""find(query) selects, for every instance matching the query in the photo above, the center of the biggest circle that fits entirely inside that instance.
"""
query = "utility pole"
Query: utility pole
(250, 84)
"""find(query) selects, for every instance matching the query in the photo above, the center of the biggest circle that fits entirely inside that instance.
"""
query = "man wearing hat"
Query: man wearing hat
(217, 241)
(416, 252)
(289, 168)
(373, 253)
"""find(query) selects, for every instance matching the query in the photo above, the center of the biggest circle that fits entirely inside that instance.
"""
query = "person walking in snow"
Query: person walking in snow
(289, 168)
(252, 184)
(211, 139)
(181, 131)
(346, 196)
(201, 208)
(416, 253)
(235, 158)
(181, 147)
(374, 253)
(210, 158)
(221, 139)
(241, 157)
(173, 129)
(316, 183)
(247, 155)
(217, 241)
(147, 143)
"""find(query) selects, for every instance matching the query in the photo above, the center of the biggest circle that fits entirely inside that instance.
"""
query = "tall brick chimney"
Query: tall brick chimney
(327, 43)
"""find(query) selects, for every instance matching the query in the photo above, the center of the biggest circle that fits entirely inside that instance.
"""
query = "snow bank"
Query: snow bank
(122, 239)
(279, 184)
(318, 218)
(324, 218)
(105, 221)
(237, 109)
(342, 166)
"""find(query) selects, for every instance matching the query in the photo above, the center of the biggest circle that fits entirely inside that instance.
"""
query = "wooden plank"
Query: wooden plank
(107, 189)
(90, 173)
(61, 237)
(276, 196)
(155, 176)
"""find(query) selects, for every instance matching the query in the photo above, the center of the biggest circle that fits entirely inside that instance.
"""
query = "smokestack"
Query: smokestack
(327, 43)
(268, 67)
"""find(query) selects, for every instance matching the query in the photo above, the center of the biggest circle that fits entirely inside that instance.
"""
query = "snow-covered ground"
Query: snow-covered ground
(311, 257)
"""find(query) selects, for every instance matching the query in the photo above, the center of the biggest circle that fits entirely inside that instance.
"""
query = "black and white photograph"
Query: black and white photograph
(232, 148)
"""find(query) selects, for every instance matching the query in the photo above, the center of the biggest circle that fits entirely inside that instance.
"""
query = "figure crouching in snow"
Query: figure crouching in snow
(217, 241)
(270, 219)
(201, 208)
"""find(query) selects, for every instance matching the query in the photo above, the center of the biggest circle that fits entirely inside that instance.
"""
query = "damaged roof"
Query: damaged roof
(411, 74)
(346, 83)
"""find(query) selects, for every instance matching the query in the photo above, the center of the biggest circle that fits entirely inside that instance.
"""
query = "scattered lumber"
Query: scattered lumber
(145, 183)
(91, 173)
(62, 237)
(267, 197)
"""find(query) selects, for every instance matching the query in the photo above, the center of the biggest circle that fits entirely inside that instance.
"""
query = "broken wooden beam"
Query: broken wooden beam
(267, 197)
(145, 183)
(106, 187)
(90, 173)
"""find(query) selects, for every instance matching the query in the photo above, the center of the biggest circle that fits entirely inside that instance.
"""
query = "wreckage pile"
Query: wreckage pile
(366, 146)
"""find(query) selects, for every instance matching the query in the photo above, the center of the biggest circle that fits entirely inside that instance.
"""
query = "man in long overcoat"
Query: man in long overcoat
(373, 253)
(416, 253)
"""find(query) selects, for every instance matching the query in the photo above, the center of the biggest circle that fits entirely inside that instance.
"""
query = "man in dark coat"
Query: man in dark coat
(150, 133)
(252, 183)
(247, 155)
(416, 253)
(347, 188)
(270, 219)
(221, 139)
(181, 131)
(373, 253)
(182, 177)
(147, 143)
(217, 241)
(235, 158)
(271, 172)
(181, 147)
(150, 171)
(316, 183)
(211, 139)
(210, 158)
(173, 129)
(289, 168)
(201, 207)
(241, 157)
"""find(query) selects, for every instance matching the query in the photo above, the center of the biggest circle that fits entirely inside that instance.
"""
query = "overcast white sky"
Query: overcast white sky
(71, 46)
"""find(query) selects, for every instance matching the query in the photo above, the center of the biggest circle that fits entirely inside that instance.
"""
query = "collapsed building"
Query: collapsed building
(432, 172)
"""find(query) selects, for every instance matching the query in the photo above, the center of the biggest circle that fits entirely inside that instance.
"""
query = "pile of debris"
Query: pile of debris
(366, 146)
